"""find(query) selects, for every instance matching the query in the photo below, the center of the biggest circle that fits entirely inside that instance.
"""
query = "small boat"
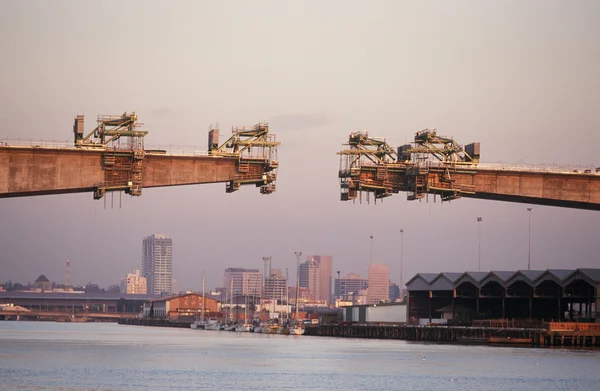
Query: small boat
(208, 324)
(284, 331)
(212, 325)
(244, 328)
(296, 330)
(510, 341)
(271, 329)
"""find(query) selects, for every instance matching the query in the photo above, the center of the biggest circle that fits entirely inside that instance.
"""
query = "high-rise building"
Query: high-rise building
(157, 264)
(134, 283)
(348, 288)
(394, 292)
(379, 284)
(315, 274)
(275, 286)
(243, 281)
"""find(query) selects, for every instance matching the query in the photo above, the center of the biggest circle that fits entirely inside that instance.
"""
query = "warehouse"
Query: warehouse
(533, 295)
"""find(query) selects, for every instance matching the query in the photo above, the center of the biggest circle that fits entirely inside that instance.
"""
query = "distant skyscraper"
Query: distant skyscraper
(244, 281)
(175, 286)
(379, 284)
(134, 283)
(157, 264)
(394, 292)
(315, 274)
(275, 286)
(348, 288)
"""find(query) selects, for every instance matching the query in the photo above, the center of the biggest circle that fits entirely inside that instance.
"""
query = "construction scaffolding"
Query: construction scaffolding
(256, 151)
(427, 165)
(123, 151)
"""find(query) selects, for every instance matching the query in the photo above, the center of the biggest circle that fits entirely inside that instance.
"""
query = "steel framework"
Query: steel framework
(256, 151)
(427, 165)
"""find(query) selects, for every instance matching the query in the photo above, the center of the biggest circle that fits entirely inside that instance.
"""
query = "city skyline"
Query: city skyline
(517, 77)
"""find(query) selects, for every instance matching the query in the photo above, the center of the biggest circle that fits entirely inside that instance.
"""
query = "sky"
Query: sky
(520, 77)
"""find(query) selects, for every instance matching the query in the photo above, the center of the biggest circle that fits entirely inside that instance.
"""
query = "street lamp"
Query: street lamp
(479, 258)
(529, 257)
(401, 263)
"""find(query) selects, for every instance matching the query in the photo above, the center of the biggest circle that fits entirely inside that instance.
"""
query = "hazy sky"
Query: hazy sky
(521, 77)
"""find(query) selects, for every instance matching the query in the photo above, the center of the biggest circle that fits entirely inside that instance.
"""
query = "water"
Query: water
(107, 356)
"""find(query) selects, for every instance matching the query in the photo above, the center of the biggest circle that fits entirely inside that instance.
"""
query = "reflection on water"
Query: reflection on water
(106, 356)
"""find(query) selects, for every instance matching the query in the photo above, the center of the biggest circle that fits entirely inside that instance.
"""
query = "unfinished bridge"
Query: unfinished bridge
(112, 158)
(437, 166)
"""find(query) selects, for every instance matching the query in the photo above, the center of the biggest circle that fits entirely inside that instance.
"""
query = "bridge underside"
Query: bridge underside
(534, 201)
(30, 171)
(572, 190)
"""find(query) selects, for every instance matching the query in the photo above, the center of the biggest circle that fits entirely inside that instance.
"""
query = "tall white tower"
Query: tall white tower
(157, 264)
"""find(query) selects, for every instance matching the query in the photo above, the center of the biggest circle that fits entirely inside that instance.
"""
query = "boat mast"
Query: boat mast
(203, 299)
(298, 255)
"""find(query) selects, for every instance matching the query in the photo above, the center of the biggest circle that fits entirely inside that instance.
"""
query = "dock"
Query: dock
(568, 334)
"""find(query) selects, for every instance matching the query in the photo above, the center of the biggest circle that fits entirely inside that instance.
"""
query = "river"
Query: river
(108, 356)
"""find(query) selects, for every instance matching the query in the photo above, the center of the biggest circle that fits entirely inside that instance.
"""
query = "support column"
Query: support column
(559, 316)
(430, 299)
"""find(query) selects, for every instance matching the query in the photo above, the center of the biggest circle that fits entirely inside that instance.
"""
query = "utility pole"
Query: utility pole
(371, 251)
(529, 257)
(401, 264)
(339, 286)
(479, 257)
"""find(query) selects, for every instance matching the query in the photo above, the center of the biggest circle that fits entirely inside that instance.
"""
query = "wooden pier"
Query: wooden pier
(554, 334)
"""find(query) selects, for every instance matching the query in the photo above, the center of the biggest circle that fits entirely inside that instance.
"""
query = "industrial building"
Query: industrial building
(534, 295)
(182, 307)
(77, 301)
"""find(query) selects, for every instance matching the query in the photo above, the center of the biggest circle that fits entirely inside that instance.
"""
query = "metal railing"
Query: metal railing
(168, 149)
(521, 167)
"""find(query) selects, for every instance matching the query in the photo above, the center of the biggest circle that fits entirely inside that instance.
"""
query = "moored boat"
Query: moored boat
(244, 328)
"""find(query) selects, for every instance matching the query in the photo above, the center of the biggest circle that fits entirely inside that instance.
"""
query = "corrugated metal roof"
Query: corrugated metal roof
(504, 276)
(532, 275)
(452, 276)
(429, 277)
(478, 276)
(593, 274)
(561, 274)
